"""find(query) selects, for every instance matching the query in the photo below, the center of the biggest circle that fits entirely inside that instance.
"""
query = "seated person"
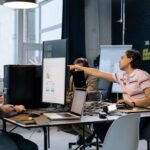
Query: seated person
(91, 87)
(135, 84)
(91, 81)
(18, 140)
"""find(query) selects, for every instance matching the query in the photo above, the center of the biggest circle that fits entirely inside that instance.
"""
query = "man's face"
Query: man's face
(124, 62)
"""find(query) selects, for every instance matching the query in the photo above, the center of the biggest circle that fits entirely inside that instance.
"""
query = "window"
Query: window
(41, 24)
(31, 47)
(51, 20)
(7, 38)
(22, 32)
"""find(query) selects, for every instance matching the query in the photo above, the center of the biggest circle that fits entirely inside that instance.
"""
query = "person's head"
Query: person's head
(130, 58)
(81, 61)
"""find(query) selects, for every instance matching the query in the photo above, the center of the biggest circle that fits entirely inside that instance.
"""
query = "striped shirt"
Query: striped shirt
(133, 85)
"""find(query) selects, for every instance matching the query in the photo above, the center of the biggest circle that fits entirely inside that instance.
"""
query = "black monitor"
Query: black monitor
(55, 48)
(23, 85)
(79, 79)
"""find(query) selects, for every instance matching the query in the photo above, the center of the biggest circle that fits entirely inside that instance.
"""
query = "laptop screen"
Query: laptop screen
(78, 101)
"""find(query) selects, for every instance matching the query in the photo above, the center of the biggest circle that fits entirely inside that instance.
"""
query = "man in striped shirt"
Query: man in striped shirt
(135, 83)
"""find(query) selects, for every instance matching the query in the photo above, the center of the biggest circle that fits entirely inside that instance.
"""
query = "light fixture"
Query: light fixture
(122, 20)
(20, 4)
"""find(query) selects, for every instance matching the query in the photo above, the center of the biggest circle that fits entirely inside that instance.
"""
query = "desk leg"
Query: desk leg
(97, 144)
(83, 136)
(4, 125)
(45, 138)
(48, 134)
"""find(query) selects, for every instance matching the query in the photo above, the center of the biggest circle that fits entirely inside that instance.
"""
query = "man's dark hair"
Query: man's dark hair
(136, 58)
(81, 60)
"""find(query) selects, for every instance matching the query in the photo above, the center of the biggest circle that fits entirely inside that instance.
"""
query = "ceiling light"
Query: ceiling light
(20, 4)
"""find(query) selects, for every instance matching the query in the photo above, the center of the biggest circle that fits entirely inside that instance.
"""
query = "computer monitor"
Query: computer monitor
(55, 48)
(23, 85)
(53, 90)
(55, 80)
(79, 79)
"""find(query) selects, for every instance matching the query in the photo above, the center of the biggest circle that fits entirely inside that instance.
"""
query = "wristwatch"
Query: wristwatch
(133, 103)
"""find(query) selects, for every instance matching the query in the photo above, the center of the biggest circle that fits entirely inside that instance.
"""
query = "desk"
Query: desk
(84, 120)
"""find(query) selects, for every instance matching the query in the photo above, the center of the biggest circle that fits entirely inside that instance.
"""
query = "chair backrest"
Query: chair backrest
(123, 134)
(6, 143)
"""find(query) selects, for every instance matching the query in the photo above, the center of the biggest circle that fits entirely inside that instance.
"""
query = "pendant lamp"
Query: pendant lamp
(20, 4)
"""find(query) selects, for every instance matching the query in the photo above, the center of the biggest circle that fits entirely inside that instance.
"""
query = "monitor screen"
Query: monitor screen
(23, 84)
(53, 90)
(55, 48)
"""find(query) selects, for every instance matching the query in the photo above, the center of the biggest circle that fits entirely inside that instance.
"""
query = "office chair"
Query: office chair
(123, 134)
(88, 143)
(102, 94)
(6, 143)
(145, 133)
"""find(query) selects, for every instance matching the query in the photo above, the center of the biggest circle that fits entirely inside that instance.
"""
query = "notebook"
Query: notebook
(76, 108)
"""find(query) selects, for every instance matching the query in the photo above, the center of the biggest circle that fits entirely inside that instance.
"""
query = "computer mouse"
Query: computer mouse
(124, 106)
(102, 115)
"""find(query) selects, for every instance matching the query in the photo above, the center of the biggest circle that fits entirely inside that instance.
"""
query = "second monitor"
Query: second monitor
(79, 79)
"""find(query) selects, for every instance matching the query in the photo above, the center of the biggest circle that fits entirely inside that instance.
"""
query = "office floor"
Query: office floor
(59, 140)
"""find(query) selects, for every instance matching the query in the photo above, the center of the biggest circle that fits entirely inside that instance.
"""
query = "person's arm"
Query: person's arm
(19, 108)
(6, 108)
(94, 72)
(138, 102)
(146, 101)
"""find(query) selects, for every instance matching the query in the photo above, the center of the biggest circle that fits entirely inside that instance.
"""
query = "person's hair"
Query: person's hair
(136, 58)
(81, 60)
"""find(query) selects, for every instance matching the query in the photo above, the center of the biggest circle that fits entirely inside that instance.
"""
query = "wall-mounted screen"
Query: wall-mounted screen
(54, 80)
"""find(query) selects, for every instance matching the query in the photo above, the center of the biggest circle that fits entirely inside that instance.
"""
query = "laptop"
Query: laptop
(76, 108)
